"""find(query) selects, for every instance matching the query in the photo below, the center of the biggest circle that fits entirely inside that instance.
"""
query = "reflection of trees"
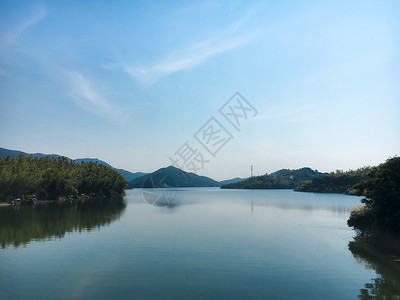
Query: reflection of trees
(19, 225)
(382, 254)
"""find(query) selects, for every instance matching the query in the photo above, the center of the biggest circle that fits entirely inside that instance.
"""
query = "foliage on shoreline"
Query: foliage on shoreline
(50, 178)
(336, 182)
(381, 209)
(282, 179)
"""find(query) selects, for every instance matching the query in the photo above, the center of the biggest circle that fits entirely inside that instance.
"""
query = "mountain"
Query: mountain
(298, 174)
(173, 177)
(233, 180)
(126, 174)
(14, 153)
(129, 176)
(94, 160)
(282, 179)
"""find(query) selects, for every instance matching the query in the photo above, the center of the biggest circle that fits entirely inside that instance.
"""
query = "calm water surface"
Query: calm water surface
(210, 244)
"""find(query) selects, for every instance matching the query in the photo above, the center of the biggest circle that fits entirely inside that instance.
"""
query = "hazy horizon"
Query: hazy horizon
(133, 83)
(198, 173)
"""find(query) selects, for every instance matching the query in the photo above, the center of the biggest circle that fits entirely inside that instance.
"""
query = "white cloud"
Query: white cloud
(182, 60)
(86, 96)
(192, 56)
(247, 16)
(10, 37)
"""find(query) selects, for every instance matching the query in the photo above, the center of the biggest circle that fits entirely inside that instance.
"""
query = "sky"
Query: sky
(146, 84)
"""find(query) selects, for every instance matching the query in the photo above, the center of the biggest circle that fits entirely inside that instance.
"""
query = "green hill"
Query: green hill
(126, 174)
(233, 180)
(56, 178)
(172, 177)
(282, 179)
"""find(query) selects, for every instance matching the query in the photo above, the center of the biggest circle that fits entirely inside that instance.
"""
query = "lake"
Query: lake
(207, 244)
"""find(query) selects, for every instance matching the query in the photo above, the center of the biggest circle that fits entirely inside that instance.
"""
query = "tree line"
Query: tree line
(340, 182)
(50, 178)
(381, 206)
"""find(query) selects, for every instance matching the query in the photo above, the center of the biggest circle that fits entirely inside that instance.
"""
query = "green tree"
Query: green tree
(53, 178)
(381, 210)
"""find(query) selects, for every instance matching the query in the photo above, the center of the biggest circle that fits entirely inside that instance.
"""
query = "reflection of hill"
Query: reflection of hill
(20, 225)
(385, 262)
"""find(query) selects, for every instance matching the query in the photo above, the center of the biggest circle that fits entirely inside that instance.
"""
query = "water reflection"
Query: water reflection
(382, 254)
(22, 224)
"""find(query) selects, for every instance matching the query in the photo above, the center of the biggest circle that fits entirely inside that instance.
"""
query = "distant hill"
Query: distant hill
(336, 182)
(94, 160)
(172, 177)
(126, 174)
(233, 180)
(129, 176)
(14, 153)
(282, 179)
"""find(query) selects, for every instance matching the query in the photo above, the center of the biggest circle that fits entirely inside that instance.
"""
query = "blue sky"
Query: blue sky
(129, 82)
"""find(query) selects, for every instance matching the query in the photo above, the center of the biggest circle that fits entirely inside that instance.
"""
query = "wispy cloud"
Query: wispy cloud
(182, 60)
(247, 16)
(192, 56)
(10, 36)
(82, 90)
